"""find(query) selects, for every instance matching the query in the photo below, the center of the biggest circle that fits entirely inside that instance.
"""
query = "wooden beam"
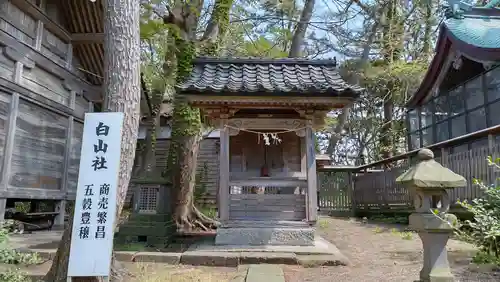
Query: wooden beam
(311, 174)
(3, 205)
(93, 92)
(223, 203)
(87, 38)
(32, 193)
(61, 205)
(38, 14)
(10, 140)
(36, 98)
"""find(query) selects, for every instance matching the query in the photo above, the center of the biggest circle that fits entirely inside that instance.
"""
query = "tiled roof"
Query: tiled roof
(258, 76)
(476, 28)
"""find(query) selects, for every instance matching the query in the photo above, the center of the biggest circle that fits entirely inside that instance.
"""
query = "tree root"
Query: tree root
(195, 220)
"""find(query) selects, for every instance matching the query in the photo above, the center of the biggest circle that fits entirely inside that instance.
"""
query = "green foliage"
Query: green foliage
(14, 275)
(406, 235)
(209, 212)
(484, 230)
(392, 219)
(10, 256)
(384, 82)
(323, 223)
(398, 80)
(22, 207)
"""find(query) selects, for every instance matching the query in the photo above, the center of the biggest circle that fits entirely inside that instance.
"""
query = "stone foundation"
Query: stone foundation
(154, 229)
(265, 233)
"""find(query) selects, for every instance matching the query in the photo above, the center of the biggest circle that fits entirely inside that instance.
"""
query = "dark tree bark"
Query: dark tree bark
(186, 126)
(122, 94)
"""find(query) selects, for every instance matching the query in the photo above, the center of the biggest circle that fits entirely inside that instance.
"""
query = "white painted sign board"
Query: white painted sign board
(95, 204)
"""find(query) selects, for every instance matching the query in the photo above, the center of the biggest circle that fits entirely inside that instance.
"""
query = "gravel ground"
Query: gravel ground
(158, 272)
(381, 252)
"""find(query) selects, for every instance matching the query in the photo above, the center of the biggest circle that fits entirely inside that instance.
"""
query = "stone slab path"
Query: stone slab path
(377, 252)
(265, 272)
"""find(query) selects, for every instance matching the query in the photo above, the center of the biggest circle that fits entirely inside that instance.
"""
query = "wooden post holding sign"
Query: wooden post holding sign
(95, 204)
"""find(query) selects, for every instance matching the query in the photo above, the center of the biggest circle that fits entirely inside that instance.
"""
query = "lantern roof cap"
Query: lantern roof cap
(429, 174)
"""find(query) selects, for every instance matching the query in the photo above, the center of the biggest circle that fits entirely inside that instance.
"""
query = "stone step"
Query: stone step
(131, 230)
(265, 236)
(150, 217)
(264, 224)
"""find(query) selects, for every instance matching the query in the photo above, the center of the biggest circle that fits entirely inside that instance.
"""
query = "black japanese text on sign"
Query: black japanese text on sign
(102, 211)
(100, 149)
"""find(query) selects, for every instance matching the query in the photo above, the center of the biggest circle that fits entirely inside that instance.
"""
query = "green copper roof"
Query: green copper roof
(480, 31)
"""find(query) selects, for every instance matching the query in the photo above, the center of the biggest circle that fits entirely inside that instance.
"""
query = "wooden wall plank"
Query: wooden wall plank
(93, 93)
(6, 66)
(38, 154)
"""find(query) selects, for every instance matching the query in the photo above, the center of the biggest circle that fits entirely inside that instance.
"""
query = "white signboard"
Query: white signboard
(95, 204)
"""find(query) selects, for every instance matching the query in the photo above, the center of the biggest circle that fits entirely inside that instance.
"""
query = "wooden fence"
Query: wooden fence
(373, 189)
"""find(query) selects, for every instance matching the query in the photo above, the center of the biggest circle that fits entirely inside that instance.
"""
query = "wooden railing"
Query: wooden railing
(373, 186)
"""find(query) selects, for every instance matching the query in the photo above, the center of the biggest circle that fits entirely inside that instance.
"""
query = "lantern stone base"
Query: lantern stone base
(434, 234)
(260, 233)
(429, 222)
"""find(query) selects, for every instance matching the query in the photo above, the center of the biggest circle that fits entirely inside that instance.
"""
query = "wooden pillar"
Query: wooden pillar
(69, 56)
(9, 141)
(61, 205)
(303, 162)
(61, 208)
(224, 170)
(3, 206)
(311, 197)
(9, 148)
(491, 177)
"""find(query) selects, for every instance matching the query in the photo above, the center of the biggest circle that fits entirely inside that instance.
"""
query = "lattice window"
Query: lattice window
(148, 199)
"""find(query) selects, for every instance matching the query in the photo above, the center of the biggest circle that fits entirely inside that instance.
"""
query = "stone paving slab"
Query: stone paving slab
(321, 247)
(265, 272)
(206, 253)
(270, 258)
(228, 259)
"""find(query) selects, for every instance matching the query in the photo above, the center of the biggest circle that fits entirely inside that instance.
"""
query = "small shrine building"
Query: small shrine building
(267, 111)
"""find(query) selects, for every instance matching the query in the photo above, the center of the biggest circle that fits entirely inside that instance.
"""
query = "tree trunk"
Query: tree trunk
(336, 135)
(186, 126)
(183, 151)
(392, 39)
(428, 29)
(301, 28)
(122, 94)
(59, 269)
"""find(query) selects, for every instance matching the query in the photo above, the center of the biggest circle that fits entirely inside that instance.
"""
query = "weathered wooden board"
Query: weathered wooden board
(54, 48)
(70, 78)
(81, 106)
(17, 23)
(46, 84)
(268, 207)
(4, 123)
(74, 159)
(39, 146)
(248, 154)
(257, 215)
(6, 66)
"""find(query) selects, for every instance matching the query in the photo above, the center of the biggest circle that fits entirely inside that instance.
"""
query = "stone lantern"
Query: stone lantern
(428, 182)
